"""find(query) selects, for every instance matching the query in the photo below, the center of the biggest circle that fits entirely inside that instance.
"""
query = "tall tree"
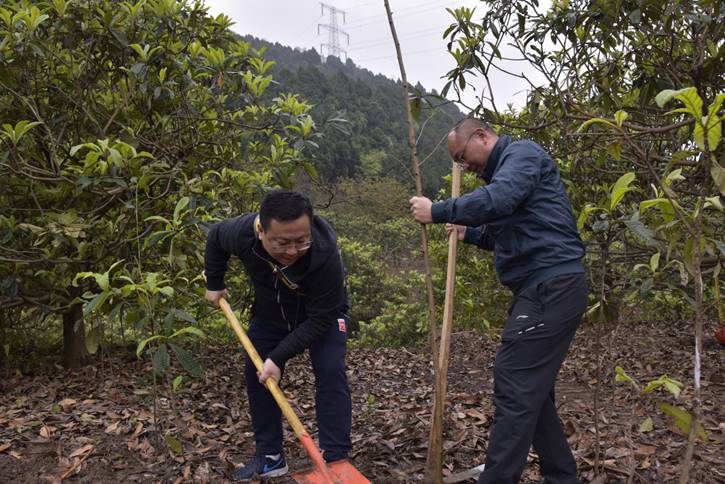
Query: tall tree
(609, 68)
(125, 127)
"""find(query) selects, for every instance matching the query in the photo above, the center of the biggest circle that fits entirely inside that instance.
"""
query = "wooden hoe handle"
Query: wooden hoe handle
(271, 383)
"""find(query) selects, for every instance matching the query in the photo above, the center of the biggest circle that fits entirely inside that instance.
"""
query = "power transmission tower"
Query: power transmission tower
(333, 32)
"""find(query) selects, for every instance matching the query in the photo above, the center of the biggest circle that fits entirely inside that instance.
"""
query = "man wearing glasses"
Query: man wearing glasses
(524, 216)
(292, 259)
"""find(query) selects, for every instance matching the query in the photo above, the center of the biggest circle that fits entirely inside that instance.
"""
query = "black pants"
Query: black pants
(332, 393)
(541, 324)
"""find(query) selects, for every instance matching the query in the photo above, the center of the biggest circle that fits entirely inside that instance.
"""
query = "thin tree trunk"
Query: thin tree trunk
(418, 190)
(699, 317)
(433, 461)
(598, 343)
(74, 337)
(4, 314)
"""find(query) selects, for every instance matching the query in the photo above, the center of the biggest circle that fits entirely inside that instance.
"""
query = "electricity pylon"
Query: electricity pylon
(333, 33)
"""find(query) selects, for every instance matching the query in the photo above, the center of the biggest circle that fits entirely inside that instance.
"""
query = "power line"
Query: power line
(391, 56)
(404, 9)
(374, 42)
(409, 13)
(305, 30)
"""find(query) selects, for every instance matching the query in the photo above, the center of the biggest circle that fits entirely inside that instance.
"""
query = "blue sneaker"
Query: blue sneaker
(262, 467)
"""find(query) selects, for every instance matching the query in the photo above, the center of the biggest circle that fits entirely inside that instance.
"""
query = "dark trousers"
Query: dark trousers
(541, 324)
(332, 393)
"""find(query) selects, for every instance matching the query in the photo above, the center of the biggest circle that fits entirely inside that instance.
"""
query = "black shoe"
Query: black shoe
(262, 467)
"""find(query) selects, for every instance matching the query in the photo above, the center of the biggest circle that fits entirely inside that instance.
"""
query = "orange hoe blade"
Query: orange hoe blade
(338, 472)
(341, 471)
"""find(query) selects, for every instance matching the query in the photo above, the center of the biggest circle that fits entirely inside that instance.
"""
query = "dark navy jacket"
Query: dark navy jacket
(305, 312)
(523, 214)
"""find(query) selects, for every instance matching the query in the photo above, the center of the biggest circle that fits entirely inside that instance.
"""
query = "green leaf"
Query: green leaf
(188, 330)
(682, 419)
(718, 175)
(664, 97)
(622, 376)
(415, 108)
(663, 204)
(635, 16)
(92, 340)
(180, 205)
(620, 117)
(674, 175)
(187, 361)
(642, 231)
(310, 170)
(688, 96)
(174, 444)
(176, 383)
(183, 315)
(103, 281)
(671, 385)
(620, 188)
(584, 214)
(19, 130)
(158, 218)
(689, 254)
(142, 344)
(589, 122)
(95, 302)
(161, 360)
(654, 261)
(714, 202)
(615, 150)
(713, 124)
(712, 127)
(646, 425)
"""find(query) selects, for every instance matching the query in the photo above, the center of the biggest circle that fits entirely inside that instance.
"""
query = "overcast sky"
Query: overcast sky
(419, 25)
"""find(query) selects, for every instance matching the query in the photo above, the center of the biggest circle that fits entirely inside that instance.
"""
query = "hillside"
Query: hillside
(373, 141)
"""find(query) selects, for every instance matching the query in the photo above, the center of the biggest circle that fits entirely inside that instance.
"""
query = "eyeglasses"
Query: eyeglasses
(461, 160)
(290, 244)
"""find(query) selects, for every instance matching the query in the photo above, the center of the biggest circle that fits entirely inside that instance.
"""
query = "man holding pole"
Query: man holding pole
(292, 259)
(524, 216)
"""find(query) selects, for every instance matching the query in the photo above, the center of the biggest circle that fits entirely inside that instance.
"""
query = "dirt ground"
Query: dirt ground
(97, 425)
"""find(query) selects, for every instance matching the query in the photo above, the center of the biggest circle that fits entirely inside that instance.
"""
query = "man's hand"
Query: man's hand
(420, 209)
(460, 230)
(269, 370)
(214, 296)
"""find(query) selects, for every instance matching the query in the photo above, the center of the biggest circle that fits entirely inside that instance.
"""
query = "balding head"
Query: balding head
(470, 142)
(466, 126)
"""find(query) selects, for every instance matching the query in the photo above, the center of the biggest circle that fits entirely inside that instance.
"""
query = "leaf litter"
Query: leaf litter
(97, 425)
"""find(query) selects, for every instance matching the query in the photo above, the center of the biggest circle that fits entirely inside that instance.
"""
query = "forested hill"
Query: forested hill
(375, 142)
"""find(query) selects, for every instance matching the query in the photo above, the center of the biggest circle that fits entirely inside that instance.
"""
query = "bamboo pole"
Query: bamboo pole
(434, 461)
(419, 191)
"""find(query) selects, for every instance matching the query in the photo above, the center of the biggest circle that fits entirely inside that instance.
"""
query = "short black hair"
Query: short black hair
(466, 126)
(285, 206)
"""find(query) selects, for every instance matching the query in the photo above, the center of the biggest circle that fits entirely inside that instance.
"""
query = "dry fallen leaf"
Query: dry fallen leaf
(45, 432)
(82, 450)
(112, 429)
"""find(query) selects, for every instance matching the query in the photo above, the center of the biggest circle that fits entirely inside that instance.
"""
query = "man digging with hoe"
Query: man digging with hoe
(292, 259)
